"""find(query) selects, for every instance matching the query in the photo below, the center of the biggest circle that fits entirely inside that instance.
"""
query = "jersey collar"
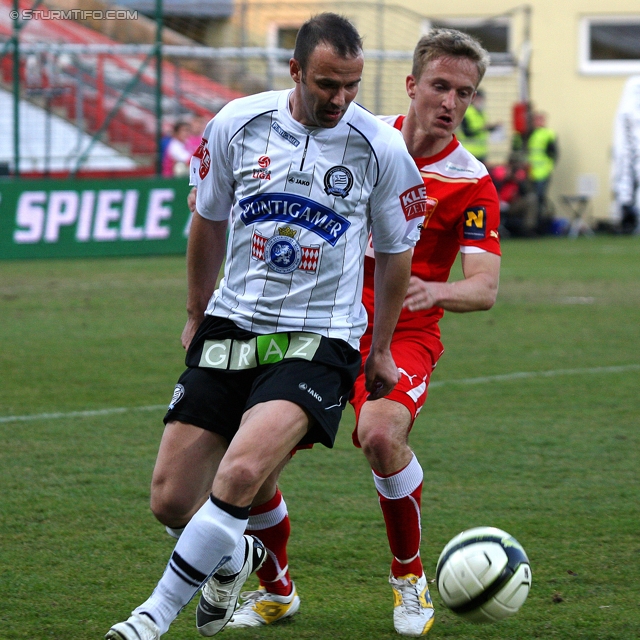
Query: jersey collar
(438, 156)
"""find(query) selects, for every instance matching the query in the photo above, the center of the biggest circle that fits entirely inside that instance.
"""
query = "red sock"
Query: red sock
(270, 523)
(400, 498)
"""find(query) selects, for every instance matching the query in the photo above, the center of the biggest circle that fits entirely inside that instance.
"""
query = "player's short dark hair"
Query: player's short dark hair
(448, 42)
(331, 29)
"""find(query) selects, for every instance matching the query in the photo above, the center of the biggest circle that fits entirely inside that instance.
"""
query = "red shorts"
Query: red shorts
(416, 353)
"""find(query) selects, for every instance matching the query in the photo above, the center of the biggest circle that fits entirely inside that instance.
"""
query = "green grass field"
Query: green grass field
(532, 426)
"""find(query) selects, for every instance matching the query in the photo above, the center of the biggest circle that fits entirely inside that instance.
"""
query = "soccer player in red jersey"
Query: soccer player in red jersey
(463, 216)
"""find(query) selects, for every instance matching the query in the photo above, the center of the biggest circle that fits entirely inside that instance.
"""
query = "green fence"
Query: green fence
(83, 218)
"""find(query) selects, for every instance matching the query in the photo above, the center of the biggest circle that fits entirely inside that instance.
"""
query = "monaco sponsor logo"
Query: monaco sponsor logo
(283, 254)
(294, 209)
(414, 202)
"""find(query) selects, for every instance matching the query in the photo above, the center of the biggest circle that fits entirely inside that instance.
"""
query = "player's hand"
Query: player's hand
(420, 294)
(189, 331)
(191, 199)
(381, 374)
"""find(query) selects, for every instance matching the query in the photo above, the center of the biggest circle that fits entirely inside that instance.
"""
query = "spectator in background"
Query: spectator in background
(474, 130)
(539, 147)
(175, 161)
(197, 129)
(518, 205)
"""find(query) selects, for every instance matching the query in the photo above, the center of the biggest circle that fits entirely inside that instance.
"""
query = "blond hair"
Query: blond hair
(452, 43)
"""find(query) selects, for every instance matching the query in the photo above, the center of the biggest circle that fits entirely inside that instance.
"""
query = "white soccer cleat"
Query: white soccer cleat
(261, 607)
(137, 627)
(219, 596)
(413, 613)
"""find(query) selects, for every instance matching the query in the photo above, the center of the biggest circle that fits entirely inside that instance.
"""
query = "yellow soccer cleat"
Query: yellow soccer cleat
(261, 607)
(413, 613)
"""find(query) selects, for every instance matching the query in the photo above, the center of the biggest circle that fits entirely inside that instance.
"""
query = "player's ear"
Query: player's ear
(411, 86)
(295, 70)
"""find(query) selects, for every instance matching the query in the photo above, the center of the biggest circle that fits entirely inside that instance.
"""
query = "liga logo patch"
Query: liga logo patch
(414, 202)
(475, 223)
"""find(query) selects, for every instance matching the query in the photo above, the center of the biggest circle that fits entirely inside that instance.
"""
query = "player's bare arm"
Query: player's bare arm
(391, 280)
(205, 253)
(477, 292)
(191, 199)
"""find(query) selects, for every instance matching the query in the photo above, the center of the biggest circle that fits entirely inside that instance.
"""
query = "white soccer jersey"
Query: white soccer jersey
(302, 201)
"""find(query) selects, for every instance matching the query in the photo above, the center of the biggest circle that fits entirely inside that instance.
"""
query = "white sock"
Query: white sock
(400, 484)
(207, 542)
(174, 532)
(233, 566)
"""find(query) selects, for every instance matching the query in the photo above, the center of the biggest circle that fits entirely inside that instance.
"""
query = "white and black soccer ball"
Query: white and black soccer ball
(483, 575)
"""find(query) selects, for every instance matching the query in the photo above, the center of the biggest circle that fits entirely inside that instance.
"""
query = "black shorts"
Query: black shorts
(230, 370)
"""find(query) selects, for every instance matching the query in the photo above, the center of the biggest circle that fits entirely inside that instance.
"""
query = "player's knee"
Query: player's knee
(378, 442)
(168, 506)
(237, 481)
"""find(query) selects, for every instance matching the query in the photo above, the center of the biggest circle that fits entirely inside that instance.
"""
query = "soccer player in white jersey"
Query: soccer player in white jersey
(273, 351)
(463, 216)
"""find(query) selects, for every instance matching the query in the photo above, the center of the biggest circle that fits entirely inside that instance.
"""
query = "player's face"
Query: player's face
(442, 94)
(326, 88)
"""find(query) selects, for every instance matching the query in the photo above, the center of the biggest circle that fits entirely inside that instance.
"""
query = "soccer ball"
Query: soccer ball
(483, 575)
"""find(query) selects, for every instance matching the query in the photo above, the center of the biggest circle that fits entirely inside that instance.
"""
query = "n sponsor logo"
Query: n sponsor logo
(475, 223)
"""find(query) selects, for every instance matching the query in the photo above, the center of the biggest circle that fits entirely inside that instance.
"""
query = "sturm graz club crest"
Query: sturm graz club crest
(282, 252)
(338, 181)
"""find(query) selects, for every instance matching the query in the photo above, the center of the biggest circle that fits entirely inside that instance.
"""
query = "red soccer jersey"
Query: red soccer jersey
(463, 213)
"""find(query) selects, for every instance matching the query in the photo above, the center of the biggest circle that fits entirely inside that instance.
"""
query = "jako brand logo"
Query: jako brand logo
(294, 209)
(305, 387)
